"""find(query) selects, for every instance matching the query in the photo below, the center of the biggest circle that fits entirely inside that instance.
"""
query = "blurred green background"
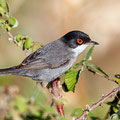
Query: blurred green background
(47, 20)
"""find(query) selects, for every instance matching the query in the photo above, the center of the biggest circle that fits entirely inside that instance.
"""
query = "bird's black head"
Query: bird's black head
(74, 39)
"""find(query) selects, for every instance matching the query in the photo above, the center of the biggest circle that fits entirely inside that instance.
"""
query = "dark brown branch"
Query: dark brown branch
(99, 103)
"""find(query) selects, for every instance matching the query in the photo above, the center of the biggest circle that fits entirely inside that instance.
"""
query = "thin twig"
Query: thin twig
(96, 73)
(12, 38)
(99, 103)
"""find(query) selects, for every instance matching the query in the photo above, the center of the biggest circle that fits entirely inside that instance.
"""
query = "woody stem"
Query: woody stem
(56, 97)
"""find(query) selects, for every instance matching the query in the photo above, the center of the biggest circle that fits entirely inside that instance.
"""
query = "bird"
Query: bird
(52, 60)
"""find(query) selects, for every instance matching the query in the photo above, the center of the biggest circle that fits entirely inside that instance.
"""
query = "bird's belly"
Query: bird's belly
(49, 75)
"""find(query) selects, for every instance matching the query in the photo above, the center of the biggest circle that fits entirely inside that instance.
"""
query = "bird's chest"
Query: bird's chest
(51, 74)
(59, 71)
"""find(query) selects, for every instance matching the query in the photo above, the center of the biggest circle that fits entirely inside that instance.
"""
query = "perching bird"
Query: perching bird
(52, 60)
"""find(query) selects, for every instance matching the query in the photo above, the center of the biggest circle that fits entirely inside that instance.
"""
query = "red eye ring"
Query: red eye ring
(79, 41)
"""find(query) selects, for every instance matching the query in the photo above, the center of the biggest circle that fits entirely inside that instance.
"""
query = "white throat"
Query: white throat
(79, 49)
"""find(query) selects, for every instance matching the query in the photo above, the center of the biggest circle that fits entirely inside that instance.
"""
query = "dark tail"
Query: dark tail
(16, 70)
(11, 70)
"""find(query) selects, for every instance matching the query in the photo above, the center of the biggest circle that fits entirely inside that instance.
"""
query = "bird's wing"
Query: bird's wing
(46, 57)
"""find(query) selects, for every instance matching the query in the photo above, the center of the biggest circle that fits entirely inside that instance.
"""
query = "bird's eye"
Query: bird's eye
(79, 41)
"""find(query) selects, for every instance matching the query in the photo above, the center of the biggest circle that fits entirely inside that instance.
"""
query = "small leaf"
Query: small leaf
(80, 63)
(77, 112)
(94, 67)
(4, 27)
(27, 44)
(2, 21)
(110, 103)
(18, 37)
(118, 80)
(89, 53)
(13, 22)
(115, 109)
(118, 77)
(35, 46)
(3, 3)
(8, 28)
(20, 43)
(7, 6)
(2, 11)
(71, 78)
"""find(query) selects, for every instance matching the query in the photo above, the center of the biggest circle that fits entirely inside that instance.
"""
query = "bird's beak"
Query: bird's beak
(93, 43)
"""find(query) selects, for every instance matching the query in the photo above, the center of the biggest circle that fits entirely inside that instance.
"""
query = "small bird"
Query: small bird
(52, 60)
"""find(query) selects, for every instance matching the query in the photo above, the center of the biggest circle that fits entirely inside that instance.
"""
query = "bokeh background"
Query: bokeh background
(47, 20)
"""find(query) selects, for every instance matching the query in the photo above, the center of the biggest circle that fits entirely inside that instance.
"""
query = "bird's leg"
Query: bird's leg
(56, 89)
(57, 94)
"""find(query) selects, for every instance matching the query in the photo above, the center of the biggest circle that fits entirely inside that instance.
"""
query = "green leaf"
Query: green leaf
(20, 43)
(89, 53)
(3, 3)
(7, 6)
(27, 44)
(94, 67)
(4, 27)
(77, 112)
(13, 22)
(36, 45)
(118, 77)
(71, 78)
(78, 64)
(2, 11)
(2, 21)
(110, 103)
(18, 37)
(118, 80)
(115, 109)
(8, 28)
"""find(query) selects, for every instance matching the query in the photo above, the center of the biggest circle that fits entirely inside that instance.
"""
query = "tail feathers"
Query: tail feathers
(10, 70)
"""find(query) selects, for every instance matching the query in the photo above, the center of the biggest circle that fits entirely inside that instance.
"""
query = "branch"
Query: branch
(99, 103)
(96, 73)
(12, 38)
(57, 94)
